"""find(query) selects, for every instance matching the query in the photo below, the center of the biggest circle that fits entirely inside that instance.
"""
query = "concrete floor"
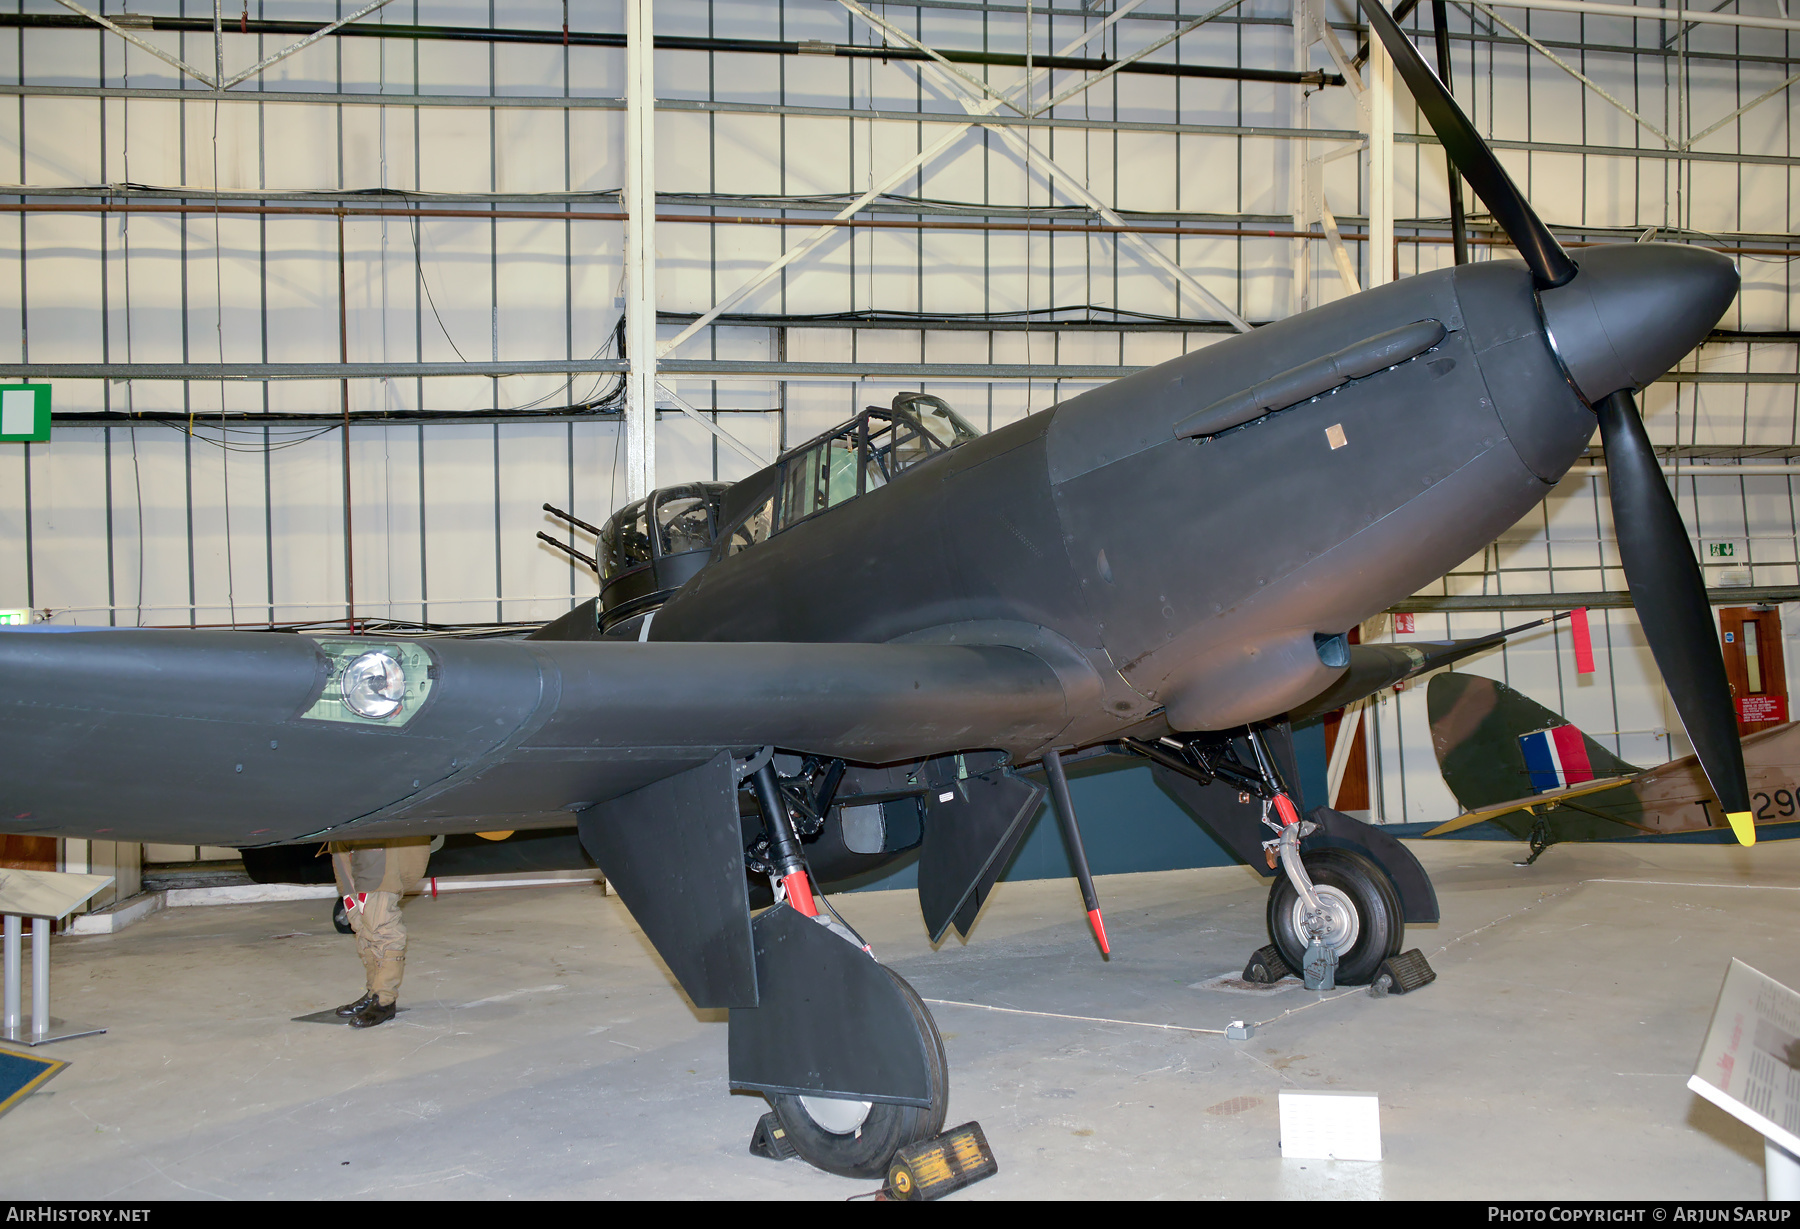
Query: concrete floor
(544, 1052)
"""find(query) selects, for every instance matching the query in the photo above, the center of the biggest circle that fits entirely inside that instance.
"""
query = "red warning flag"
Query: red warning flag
(1584, 641)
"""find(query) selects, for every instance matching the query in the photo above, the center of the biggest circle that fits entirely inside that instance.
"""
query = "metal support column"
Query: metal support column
(1381, 165)
(640, 250)
(40, 976)
(1310, 157)
(1301, 168)
(11, 962)
(44, 1027)
(42, 896)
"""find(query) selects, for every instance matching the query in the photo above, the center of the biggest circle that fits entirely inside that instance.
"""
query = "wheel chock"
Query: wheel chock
(1266, 967)
(932, 1168)
(770, 1141)
(1402, 974)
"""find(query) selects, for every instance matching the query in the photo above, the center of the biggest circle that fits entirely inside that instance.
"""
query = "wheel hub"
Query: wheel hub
(1341, 926)
(837, 1116)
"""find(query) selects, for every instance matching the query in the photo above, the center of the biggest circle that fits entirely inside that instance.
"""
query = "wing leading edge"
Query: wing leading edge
(238, 738)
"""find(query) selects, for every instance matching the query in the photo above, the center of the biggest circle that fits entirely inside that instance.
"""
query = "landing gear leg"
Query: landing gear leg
(784, 844)
(845, 1051)
(1333, 913)
(1318, 921)
(1541, 839)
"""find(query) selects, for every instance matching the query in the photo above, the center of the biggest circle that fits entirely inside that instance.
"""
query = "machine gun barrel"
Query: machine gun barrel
(576, 521)
(564, 546)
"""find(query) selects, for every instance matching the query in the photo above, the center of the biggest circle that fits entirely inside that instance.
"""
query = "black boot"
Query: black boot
(350, 1009)
(375, 1012)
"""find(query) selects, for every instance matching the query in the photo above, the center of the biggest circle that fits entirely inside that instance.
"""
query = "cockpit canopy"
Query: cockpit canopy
(867, 452)
(651, 548)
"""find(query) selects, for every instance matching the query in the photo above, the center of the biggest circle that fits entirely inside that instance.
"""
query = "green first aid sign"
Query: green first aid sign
(24, 413)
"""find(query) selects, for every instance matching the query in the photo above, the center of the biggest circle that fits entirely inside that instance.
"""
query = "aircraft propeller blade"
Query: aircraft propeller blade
(1670, 596)
(1549, 264)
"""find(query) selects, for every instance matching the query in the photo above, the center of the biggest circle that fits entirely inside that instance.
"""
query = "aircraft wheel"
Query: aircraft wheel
(341, 919)
(1367, 922)
(857, 1139)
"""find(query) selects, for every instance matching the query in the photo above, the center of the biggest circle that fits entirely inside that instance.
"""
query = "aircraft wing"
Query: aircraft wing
(1374, 667)
(1530, 802)
(245, 738)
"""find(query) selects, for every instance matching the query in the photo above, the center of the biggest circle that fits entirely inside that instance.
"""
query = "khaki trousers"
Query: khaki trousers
(372, 877)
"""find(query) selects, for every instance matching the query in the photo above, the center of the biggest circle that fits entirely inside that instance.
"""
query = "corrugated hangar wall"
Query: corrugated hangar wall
(253, 237)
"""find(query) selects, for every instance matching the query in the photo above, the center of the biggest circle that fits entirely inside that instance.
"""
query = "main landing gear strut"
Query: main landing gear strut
(845, 1051)
(1350, 916)
(1335, 913)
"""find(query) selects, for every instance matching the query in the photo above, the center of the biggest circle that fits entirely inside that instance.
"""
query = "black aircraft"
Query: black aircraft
(868, 645)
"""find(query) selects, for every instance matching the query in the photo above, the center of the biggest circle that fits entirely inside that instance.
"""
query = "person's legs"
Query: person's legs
(406, 866)
(386, 936)
(346, 886)
(375, 917)
(382, 939)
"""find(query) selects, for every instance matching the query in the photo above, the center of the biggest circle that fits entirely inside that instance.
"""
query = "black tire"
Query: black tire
(1380, 924)
(341, 919)
(866, 1151)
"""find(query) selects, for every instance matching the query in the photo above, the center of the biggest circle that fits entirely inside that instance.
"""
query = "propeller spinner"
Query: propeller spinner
(1617, 321)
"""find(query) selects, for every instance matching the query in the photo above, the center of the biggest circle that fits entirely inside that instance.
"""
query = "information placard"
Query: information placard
(1750, 1064)
(1330, 1126)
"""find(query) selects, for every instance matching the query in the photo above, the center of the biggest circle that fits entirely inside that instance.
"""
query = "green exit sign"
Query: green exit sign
(15, 618)
(1722, 550)
(24, 413)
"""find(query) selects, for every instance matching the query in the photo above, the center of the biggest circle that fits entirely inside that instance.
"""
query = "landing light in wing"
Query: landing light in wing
(374, 686)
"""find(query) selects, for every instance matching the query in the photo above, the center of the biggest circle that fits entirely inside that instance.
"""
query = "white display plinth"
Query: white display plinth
(40, 896)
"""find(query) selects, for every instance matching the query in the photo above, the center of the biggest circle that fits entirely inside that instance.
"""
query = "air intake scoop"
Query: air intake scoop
(1315, 376)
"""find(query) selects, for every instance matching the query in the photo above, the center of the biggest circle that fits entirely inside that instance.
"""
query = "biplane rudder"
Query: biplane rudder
(1485, 736)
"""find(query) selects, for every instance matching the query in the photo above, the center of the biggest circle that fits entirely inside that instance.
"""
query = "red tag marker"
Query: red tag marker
(1584, 641)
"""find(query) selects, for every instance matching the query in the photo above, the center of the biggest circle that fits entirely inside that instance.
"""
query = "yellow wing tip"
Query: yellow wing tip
(1743, 825)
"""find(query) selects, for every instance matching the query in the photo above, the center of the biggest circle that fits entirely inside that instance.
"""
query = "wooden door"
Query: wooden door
(1353, 791)
(1754, 665)
(28, 853)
